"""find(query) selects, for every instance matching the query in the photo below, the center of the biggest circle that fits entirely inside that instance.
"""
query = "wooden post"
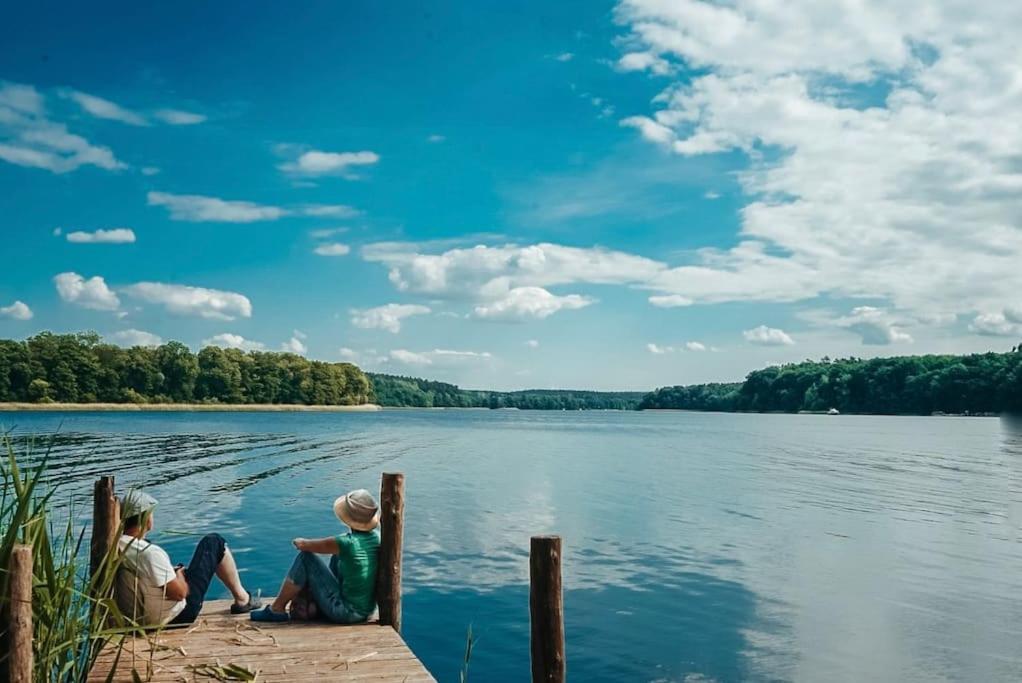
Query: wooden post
(388, 577)
(106, 518)
(20, 635)
(546, 610)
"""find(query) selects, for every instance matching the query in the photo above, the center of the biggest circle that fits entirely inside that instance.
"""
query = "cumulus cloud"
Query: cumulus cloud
(532, 343)
(227, 340)
(88, 293)
(28, 137)
(659, 349)
(325, 233)
(332, 249)
(564, 57)
(198, 208)
(1007, 323)
(524, 303)
(695, 346)
(643, 61)
(656, 349)
(135, 337)
(112, 236)
(850, 193)
(328, 211)
(296, 344)
(19, 310)
(767, 336)
(317, 163)
(876, 326)
(670, 301)
(387, 317)
(193, 301)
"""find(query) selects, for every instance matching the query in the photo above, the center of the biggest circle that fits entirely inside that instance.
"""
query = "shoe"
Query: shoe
(253, 603)
(267, 614)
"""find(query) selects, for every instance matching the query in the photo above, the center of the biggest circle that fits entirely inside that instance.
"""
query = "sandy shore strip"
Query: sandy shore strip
(182, 408)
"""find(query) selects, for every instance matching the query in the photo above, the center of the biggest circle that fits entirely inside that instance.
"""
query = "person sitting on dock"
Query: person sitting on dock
(151, 591)
(344, 592)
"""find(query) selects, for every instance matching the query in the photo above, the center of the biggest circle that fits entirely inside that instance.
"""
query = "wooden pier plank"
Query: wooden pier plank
(278, 652)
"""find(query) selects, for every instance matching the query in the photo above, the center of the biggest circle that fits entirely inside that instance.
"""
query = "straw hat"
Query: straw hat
(358, 510)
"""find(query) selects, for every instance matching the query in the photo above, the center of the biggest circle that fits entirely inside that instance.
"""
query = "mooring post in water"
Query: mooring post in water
(106, 518)
(388, 577)
(20, 634)
(546, 610)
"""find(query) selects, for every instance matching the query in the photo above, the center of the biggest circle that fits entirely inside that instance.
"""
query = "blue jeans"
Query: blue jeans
(199, 573)
(324, 583)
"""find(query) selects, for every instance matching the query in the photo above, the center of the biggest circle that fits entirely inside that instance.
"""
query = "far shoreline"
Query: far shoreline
(183, 408)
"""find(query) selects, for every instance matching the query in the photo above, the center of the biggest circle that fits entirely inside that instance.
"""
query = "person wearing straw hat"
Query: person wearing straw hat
(151, 591)
(344, 591)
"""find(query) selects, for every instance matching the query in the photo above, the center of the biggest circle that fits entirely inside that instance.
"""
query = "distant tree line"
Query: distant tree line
(398, 391)
(80, 368)
(906, 385)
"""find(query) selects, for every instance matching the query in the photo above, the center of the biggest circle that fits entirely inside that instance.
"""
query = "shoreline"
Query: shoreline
(182, 408)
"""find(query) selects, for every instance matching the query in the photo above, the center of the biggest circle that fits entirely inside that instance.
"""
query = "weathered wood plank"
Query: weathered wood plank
(279, 652)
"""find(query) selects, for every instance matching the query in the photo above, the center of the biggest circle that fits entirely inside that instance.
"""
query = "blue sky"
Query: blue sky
(576, 194)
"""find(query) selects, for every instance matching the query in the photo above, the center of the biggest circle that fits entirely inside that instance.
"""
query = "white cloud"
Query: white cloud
(670, 301)
(347, 354)
(876, 326)
(436, 138)
(324, 233)
(19, 310)
(332, 249)
(112, 236)
(296, 344)
(176, 117)
(329, 210)
(1002, 324)
(905, 192)
(105, 109)
(443, 357)
(233, 341)
(523, 303)
(317, 163)
(134, 337)
(767, 336)
(695, 346)
(150, 170)
(387, 317)
(532, 343)
(193, 301)
(564, 57)
(198, 208)
(88, 293)
(28, 137)
(659, 350)
(642, 61)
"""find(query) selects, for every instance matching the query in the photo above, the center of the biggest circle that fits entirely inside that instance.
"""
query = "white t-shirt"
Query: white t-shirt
(144, 572)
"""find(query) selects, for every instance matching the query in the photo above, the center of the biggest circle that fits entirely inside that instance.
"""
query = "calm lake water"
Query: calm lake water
(698, 547)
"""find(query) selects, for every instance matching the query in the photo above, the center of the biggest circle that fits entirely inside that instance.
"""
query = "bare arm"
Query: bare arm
(324, 546)
(177, 588)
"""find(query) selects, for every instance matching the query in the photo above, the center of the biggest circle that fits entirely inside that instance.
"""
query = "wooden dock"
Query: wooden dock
(300, 651)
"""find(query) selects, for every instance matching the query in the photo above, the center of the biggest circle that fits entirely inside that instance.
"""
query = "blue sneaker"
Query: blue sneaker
(268, 615)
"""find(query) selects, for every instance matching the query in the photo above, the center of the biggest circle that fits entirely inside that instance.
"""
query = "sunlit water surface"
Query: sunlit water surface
(697, 546)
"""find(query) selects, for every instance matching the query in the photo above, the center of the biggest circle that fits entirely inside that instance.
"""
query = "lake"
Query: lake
(698, 547)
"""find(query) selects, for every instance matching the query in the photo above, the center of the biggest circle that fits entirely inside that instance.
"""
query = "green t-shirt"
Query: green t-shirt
(357, 562)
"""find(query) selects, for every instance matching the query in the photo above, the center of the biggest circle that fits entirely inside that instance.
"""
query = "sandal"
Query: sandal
(253, 603)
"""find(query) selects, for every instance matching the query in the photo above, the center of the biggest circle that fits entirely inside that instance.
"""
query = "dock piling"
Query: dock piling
(21, 661)
(105, 522)
(388, 578)
(546, 610)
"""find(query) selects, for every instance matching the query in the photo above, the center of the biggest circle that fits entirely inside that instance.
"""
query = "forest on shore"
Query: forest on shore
(81, 368)
(408, 392)
(986, 383)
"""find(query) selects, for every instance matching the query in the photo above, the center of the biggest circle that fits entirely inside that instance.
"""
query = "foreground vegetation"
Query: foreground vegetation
(408, 392)
(80, 368)
(906, 385)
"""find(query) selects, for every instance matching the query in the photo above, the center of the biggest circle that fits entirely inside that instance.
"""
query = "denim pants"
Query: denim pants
(199, 573)
(310, 571)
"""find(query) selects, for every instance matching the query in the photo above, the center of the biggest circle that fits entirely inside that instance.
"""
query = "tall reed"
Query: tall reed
(73, 614)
